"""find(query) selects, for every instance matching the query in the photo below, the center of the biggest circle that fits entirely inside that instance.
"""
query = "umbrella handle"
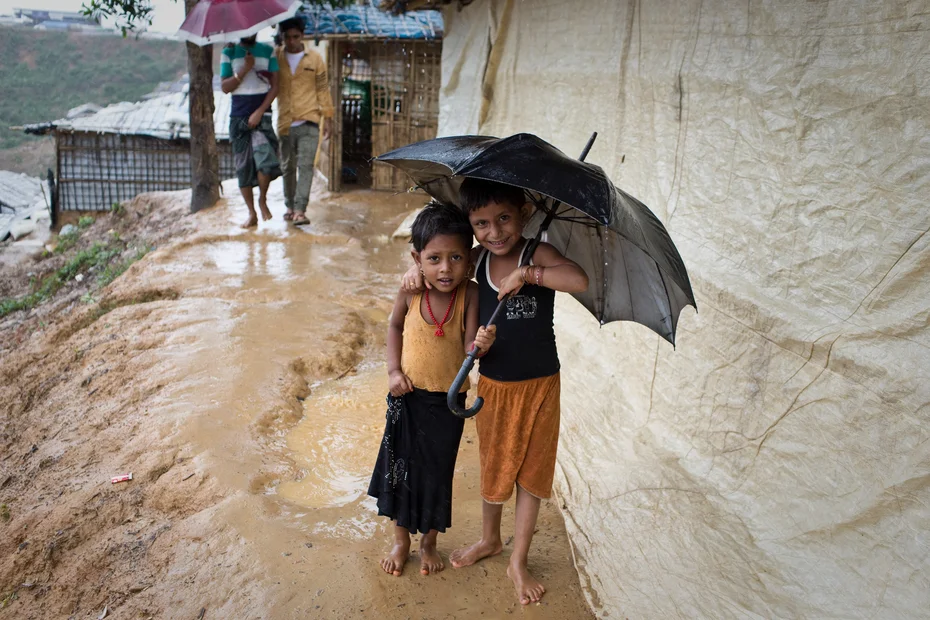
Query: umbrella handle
(453, 393)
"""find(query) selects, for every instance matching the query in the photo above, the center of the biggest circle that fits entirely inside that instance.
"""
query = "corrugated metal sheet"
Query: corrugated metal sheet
(368, 21)
(19, 191)
(163, 117)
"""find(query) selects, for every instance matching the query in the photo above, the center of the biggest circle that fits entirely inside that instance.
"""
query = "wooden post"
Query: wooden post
(205, 163)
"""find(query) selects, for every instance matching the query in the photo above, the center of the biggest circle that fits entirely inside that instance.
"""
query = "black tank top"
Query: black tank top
(525, 345)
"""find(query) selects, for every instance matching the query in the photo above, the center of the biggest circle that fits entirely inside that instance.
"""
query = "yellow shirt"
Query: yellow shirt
(432, 361)
(303, 95)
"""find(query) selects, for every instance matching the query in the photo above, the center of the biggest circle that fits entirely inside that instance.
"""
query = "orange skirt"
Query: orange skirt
(518, 435)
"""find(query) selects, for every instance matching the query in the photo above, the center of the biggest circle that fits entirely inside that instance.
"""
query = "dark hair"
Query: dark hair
(293, 22)
(439, 219)
(476, 193)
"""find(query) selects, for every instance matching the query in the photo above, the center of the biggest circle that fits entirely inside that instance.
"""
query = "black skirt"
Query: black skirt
(412, 480)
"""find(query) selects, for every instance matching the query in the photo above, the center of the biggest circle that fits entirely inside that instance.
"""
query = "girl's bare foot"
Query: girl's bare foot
(529, 590)
(430, 560)
(263, 207)
(252, 222)
(466, 556)
(393, 562)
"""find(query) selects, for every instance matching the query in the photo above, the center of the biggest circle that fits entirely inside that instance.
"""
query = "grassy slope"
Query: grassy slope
(44, 74)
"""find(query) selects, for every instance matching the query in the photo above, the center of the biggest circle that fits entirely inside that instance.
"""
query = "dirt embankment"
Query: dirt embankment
(240, 378)
(76, 379)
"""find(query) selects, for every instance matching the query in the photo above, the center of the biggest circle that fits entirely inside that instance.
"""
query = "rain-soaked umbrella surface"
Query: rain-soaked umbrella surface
(227, 21)
(634, 269)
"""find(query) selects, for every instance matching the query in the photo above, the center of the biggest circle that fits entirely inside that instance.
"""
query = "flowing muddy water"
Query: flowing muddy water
(266, 382)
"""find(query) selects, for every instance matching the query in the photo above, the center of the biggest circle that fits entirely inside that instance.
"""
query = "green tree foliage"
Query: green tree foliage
(46, 74)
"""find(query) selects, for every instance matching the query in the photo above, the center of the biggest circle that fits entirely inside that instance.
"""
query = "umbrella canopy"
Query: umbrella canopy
(634, 269)
(222, 21)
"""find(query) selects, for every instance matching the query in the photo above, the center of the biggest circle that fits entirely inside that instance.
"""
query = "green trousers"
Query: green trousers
(298, 150)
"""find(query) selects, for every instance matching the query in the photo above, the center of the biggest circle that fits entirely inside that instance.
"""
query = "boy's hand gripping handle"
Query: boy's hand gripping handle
(453, 394)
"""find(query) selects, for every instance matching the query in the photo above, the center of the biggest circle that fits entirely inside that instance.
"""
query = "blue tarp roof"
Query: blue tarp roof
(369, 21)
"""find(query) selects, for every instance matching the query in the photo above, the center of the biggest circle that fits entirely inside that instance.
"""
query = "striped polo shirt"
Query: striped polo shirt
(249, 95)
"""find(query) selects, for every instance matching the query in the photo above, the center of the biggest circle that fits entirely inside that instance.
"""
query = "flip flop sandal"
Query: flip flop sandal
(300, 220)
(289, 216)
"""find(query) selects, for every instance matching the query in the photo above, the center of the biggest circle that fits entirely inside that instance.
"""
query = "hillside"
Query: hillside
(44, 74)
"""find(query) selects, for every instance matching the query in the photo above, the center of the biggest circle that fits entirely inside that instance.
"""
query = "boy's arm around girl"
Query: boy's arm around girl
(399, 383)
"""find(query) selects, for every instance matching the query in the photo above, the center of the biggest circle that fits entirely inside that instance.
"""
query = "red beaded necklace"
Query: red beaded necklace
(439, 324)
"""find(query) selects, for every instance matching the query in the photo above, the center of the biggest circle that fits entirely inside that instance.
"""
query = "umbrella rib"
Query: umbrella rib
(626, 270)
(669, 297)
(584, 221)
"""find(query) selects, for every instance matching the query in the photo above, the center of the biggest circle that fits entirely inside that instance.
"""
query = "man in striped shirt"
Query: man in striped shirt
(249, 71)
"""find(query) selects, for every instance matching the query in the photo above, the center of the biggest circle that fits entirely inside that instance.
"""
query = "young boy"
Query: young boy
(518, 427)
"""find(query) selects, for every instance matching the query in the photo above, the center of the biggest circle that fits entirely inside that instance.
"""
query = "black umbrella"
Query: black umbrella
(634, 269)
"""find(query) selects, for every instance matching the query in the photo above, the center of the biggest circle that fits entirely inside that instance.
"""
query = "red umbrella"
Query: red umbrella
(221, 21)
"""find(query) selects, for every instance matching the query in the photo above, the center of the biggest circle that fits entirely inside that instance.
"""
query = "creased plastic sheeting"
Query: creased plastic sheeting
(777, 464)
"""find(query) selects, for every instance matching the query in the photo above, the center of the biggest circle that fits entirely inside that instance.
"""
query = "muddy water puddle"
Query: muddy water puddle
(334, 446)
(335, 442)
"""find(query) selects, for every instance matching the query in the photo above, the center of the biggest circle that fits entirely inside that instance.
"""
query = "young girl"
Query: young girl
(428, 338)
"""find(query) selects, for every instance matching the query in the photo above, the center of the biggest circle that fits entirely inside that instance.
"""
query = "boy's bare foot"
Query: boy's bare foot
(529, 590)
(466, 556)
(430, 560)
(393, 562)
(252, 222)
(263, 207)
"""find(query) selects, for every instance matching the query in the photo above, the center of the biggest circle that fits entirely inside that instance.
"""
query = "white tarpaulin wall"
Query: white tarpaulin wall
(777, 464)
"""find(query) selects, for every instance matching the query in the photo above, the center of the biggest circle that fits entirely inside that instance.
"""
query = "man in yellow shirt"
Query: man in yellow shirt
(304, 104)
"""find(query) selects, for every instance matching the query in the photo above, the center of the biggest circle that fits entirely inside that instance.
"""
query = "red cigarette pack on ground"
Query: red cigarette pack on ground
(123, 478)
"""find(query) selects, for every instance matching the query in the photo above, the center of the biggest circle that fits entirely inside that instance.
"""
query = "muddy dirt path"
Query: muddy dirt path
(240, 376)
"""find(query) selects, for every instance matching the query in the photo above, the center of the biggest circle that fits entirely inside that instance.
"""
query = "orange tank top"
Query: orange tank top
(432, 361)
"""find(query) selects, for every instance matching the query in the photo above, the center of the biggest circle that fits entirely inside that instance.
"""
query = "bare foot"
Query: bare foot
(393, 562)
(466, 556)
(430, 560)
(252, 222)
(263, 207)
(529, 590)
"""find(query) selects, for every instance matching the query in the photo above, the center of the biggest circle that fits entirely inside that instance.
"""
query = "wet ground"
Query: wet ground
(243, 380)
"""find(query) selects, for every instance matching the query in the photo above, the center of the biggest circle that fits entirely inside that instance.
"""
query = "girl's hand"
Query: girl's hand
(512, 283)
(485, 337)
(399, 383)
(413, 281)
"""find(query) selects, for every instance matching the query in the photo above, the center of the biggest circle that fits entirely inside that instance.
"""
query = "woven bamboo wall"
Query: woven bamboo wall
(97, 170)
(405, 102)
